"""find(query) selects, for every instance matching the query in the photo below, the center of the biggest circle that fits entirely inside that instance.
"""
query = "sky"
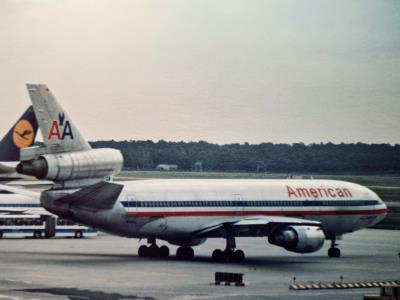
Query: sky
(222, 71)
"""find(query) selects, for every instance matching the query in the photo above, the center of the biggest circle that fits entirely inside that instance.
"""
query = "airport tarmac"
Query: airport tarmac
(107, 267)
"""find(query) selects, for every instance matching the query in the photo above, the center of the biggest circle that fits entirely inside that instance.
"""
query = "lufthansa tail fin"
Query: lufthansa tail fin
(21, 135)
(58, 131)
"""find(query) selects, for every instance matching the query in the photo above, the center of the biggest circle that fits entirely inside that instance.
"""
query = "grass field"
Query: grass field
(386, 186)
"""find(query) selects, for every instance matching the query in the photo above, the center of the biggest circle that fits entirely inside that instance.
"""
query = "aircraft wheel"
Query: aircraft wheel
(228, 255)
(1, 234)
(37, 234)
(238, 256)
(154, 251)
(143, 251)
(185, 253)
(334, 252)
(217, 255)
(179, 253)
(164, 251)
(189, 253)
(78, 234)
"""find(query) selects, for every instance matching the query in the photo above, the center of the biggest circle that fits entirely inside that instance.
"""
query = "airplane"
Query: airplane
(297, 215)
(21, 135)
(11, 203)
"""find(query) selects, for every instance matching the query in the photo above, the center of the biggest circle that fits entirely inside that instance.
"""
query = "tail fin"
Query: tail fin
(59, 133)
(21, 135)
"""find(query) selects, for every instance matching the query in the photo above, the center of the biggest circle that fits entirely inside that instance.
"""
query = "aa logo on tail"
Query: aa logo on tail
(23, 134)
(60, 129)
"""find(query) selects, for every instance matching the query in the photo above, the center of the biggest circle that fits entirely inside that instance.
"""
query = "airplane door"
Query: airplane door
(238, 204)
(132, 208)
(132, 204)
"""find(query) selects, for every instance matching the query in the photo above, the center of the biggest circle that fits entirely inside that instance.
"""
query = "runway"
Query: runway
(107, 267)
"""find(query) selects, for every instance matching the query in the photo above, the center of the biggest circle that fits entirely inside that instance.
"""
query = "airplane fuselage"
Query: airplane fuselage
(167, 209)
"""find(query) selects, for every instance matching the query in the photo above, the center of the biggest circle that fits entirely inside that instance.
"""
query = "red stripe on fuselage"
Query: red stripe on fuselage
(254, 213)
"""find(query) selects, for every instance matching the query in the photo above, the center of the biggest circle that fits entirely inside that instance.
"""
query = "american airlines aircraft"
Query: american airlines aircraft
(297, 215)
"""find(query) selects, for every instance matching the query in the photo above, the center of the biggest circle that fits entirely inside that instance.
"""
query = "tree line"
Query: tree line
(297, 157)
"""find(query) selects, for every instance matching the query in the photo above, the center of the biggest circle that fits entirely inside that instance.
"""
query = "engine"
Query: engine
(94, 163)
(299, 239)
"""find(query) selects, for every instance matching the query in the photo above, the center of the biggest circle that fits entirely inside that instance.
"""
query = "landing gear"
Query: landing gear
(143, 251)
(217, 255)
(229, 254)
(185, 253)
(239, 256)
(164, 251)
(153, 250)
(333, 251)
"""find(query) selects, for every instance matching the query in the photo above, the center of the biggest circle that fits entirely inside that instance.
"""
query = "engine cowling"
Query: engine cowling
(299, 239)
(94, 163)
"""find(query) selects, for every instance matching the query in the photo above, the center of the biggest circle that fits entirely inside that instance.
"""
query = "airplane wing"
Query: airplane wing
(20, 191)
(33, 198)
(31, 211)
(30, 183)
(265, 220)
(256, 225)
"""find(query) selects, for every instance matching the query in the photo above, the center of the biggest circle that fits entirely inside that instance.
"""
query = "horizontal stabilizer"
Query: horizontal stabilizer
(99, 196)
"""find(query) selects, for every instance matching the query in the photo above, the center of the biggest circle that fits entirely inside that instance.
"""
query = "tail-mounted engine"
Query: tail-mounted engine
(299, 239)
(94, 163)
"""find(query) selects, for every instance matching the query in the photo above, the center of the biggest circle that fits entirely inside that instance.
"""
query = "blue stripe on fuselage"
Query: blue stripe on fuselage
(261, 203)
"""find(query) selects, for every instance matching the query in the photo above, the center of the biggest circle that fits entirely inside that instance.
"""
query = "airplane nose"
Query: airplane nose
(383, 203)
(380, 206)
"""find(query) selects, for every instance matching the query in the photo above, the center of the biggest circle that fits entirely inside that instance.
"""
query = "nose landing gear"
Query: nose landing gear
(333, 251)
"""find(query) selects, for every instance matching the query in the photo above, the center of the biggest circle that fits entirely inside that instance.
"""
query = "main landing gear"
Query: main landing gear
(153, 250)
(229, 254)
(333, 251)
(185, 253)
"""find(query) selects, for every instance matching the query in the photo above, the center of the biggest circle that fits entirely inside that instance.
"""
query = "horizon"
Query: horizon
(251, 144)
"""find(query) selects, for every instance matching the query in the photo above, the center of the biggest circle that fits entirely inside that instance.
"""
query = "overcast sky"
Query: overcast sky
(221, 71)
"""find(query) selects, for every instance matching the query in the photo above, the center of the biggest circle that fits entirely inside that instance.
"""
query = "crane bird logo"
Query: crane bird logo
(23, 134)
